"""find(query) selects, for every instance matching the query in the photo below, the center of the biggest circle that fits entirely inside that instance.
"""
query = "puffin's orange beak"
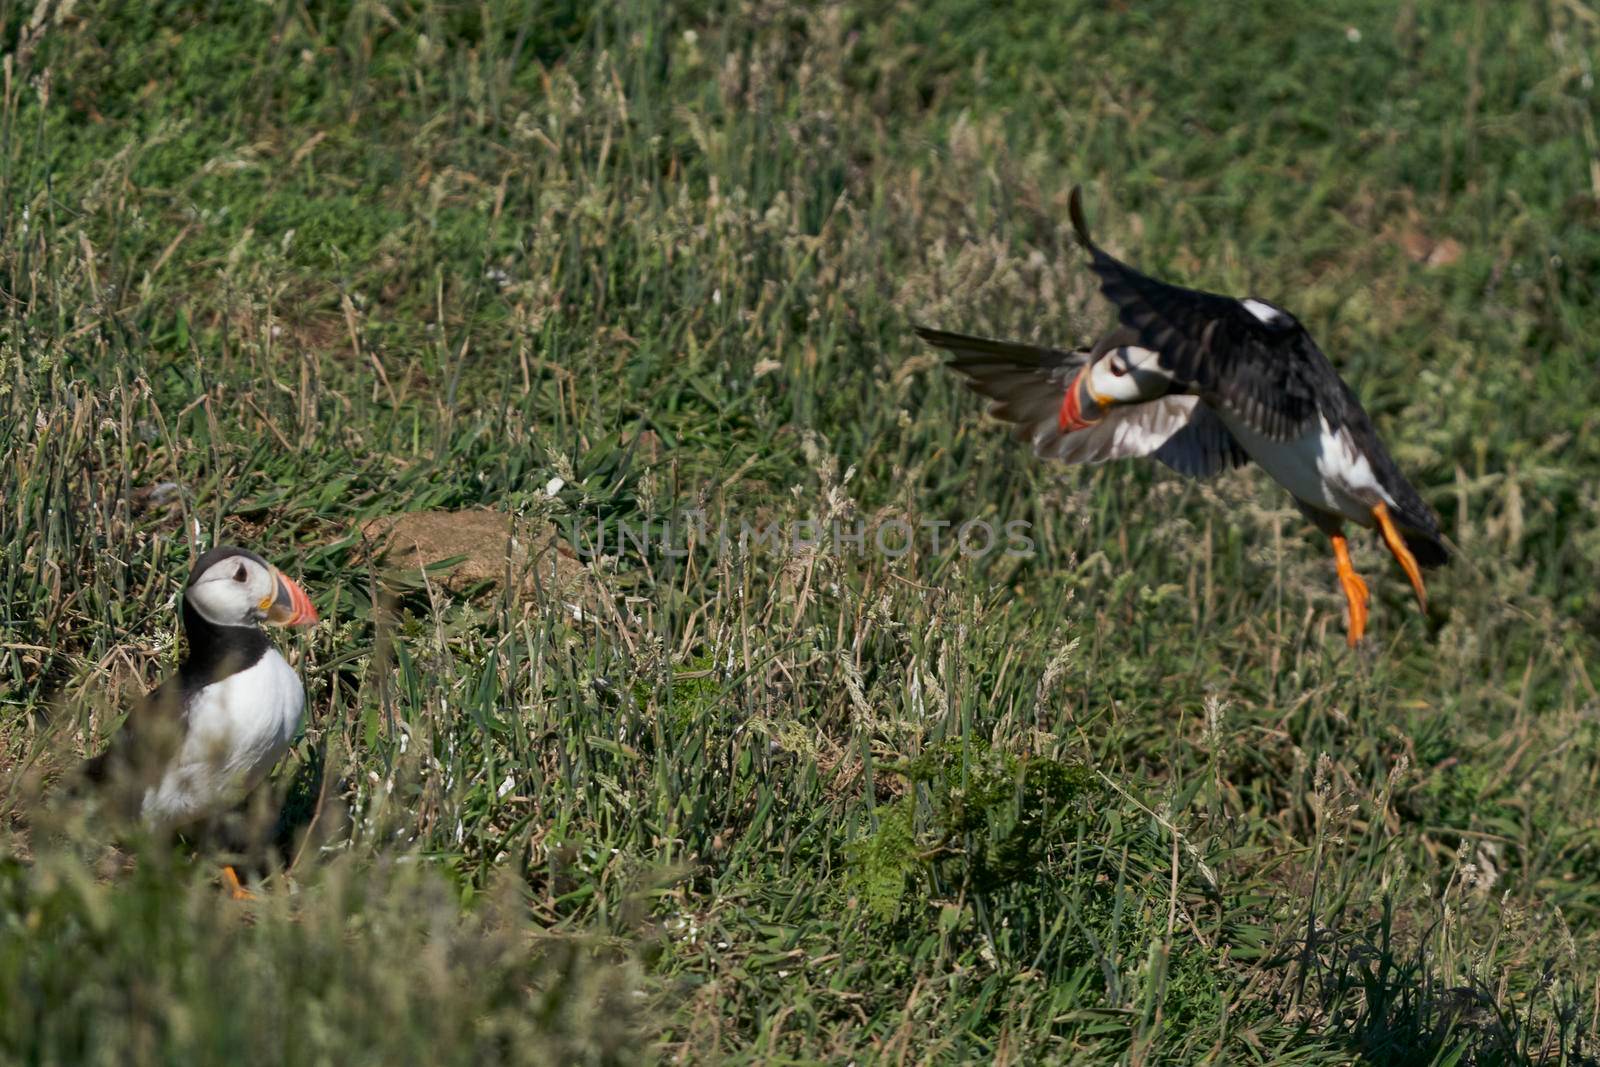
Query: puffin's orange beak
(291, 606)
(1071, 417)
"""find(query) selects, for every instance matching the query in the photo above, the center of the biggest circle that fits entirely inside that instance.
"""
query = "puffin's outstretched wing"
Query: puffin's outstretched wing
(1026, 383)
(1248, 357)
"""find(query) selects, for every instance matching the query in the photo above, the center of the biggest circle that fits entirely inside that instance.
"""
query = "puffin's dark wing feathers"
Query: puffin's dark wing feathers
(1203, 447)
(986, 350)
(1027, 382)
(1265, 373)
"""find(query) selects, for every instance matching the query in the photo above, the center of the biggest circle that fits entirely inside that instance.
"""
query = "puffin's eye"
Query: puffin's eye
(239, 575)
(1117, 368)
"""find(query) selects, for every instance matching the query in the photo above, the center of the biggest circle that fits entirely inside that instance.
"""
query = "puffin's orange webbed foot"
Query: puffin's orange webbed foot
(1355, 590)
(235, 888)
(1397, 545)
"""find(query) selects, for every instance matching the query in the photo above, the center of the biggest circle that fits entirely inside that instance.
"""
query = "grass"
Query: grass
(269, 276)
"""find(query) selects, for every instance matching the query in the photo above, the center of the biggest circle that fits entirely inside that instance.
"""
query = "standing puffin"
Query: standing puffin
(200, 742)
(1204, 383)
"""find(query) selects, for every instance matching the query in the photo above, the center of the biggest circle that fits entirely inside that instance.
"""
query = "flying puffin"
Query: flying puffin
(1204, 383)
(196, 745)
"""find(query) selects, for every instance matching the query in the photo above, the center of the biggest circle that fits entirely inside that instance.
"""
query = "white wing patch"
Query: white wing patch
(1264, 311)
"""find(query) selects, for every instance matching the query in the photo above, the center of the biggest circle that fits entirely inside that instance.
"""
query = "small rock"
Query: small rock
(490, 547)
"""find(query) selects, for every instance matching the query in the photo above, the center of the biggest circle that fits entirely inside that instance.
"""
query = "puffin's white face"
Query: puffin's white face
(1127, 375)
(234, 587)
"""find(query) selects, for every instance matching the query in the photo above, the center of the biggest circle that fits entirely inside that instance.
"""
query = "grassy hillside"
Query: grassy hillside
(272, 273)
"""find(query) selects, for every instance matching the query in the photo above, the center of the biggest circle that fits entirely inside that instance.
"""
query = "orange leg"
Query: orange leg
(1355, 590)
(1397, 545)
(235, 888)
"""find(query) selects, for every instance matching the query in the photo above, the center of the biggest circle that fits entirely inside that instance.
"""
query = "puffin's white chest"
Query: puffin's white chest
(1323, 467)
(237, 729)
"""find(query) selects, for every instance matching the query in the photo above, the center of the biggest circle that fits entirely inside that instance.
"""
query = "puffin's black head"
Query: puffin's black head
(1119, 371)
(235, 587)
